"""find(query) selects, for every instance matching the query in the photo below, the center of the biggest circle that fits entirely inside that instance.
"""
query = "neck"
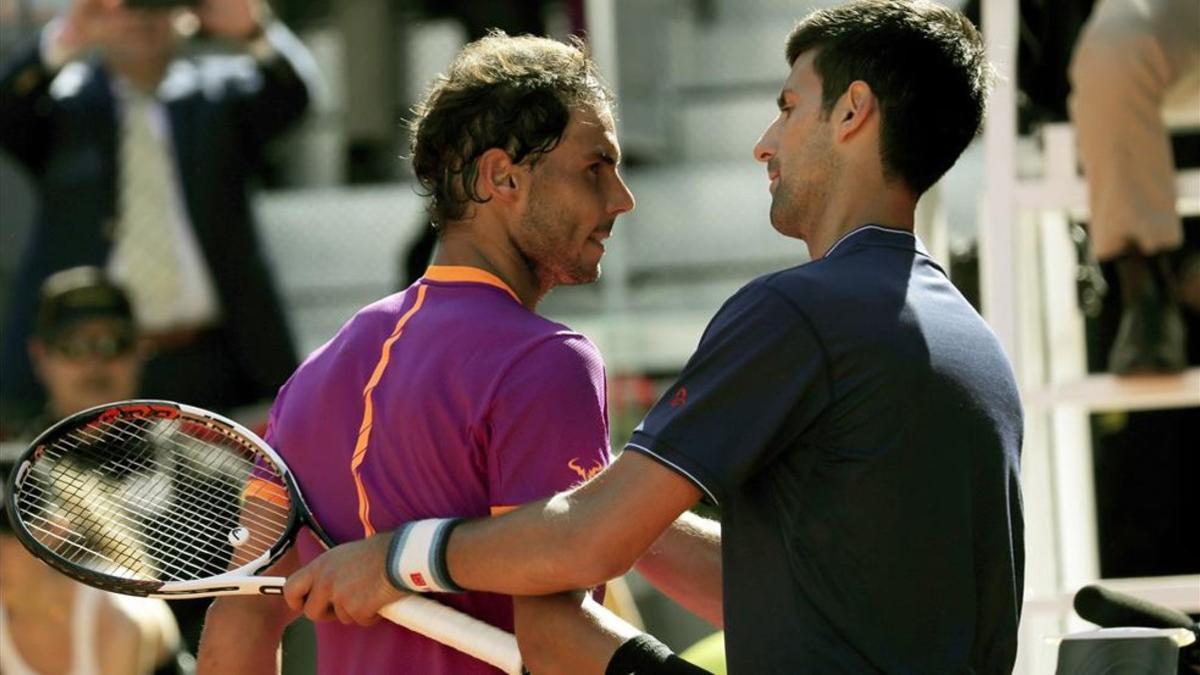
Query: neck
(472, 244)
(870, 202)
(142, 74)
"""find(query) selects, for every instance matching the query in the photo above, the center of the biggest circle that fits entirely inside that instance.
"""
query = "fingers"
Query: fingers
(346, 583)
(312, 591)
(295, 591)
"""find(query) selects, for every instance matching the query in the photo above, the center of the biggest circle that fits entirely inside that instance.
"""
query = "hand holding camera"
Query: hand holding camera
(114, 23)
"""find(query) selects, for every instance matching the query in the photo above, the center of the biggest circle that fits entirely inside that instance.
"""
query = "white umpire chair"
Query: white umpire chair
(1027, 263)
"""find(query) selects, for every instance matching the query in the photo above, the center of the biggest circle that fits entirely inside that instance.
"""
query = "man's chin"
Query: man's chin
(786, 229)
(581, 277)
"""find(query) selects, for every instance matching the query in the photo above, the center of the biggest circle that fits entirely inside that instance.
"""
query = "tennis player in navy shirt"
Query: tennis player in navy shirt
(854, 418)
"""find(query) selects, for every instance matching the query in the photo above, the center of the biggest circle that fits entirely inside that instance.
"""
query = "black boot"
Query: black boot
(1151, 338)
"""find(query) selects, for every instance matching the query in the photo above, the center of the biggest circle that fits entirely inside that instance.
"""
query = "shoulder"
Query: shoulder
(557, 357)
(773, 297)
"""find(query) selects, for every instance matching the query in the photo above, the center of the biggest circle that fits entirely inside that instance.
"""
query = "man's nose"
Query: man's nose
(622, 201)
(764, 149)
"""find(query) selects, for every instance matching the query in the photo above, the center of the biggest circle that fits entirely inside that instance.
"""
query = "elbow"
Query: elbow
(595, 558)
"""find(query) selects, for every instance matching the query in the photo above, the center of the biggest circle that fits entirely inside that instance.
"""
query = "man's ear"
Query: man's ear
(498, 177)
(856, 107)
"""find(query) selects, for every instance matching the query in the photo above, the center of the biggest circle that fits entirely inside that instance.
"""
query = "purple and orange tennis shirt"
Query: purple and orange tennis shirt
(448, 399)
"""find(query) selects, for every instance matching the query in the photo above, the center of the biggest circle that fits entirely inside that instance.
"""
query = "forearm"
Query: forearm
(242, 634)
(290, 84)
(577, 539)
(567, 633)
(685, 564)
(546, 547)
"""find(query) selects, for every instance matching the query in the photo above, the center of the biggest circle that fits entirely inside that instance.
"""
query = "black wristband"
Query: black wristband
(644, 655)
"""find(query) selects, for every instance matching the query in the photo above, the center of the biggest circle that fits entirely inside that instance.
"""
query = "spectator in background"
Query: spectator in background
(84, 347)
(1130, 53)
(142, 160)
(85, 354)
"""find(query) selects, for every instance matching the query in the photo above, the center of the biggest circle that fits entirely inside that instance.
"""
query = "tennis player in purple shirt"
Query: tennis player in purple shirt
(454, 398)
(435, 401)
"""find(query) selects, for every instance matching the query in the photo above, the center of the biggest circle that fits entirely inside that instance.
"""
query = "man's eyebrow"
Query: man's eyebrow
(612, 158)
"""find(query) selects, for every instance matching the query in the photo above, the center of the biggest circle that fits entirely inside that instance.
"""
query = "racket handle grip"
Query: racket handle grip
(455, 629)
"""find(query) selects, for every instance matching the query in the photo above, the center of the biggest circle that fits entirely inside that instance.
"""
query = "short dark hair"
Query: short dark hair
(512, 93)
(925, 64)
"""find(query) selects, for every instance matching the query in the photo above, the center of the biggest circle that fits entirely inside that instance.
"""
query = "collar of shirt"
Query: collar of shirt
(124, 93)
(453, 273)
(876, 235)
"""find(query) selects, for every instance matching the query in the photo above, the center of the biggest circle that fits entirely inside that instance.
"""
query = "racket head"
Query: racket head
(148, 497)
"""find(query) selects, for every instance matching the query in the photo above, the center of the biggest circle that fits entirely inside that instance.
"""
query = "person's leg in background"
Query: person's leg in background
(1128, 56)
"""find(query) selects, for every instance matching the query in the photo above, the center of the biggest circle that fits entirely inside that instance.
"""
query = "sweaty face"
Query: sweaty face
(91, 363)
(798, 151)
(576, 195)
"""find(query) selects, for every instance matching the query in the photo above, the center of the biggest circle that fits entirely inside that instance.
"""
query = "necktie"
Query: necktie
(145, 242)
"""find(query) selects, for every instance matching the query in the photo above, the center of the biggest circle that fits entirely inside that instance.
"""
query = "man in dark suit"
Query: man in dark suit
(143, 161)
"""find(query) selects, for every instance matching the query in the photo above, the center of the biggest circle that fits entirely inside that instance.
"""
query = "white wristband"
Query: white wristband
(416, 557)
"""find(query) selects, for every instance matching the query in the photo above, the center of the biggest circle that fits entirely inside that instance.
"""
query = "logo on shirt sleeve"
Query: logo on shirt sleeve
(585, 474)
(680, 397)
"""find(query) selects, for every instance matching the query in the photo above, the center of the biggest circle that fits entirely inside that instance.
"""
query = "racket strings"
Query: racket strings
(192, 483)
(189, 541)
(146, 498)
(88, 527)
(195, 481)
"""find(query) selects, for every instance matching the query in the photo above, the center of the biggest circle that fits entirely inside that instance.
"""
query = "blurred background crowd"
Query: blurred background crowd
(193, 198)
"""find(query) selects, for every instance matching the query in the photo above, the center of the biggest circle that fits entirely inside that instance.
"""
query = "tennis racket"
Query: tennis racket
(165, 500)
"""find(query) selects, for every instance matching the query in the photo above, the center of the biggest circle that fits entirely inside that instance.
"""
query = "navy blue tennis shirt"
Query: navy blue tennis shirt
(860, 429)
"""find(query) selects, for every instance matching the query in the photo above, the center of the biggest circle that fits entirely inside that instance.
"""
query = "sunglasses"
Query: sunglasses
(98, 346)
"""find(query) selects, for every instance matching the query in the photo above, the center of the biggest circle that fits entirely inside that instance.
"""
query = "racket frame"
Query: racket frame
(239, 581)
(417, 613)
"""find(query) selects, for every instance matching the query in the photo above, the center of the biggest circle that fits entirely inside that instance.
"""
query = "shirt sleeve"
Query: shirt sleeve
(757, 380)
(548, 424)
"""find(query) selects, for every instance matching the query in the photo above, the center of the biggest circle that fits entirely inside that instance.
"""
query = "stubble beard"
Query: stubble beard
(550, 257)
(798, 206)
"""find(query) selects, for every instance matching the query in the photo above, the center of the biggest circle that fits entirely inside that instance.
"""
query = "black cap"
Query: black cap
(76, 294)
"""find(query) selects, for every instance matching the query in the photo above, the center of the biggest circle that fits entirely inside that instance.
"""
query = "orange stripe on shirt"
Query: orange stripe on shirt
(368, 420)
(501, 510)
(464, 273)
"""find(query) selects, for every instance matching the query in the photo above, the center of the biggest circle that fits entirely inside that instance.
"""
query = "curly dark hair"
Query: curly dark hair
(512, 93)
(926, 65)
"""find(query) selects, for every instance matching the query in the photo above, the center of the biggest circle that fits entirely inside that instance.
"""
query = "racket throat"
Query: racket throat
(230, 584)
